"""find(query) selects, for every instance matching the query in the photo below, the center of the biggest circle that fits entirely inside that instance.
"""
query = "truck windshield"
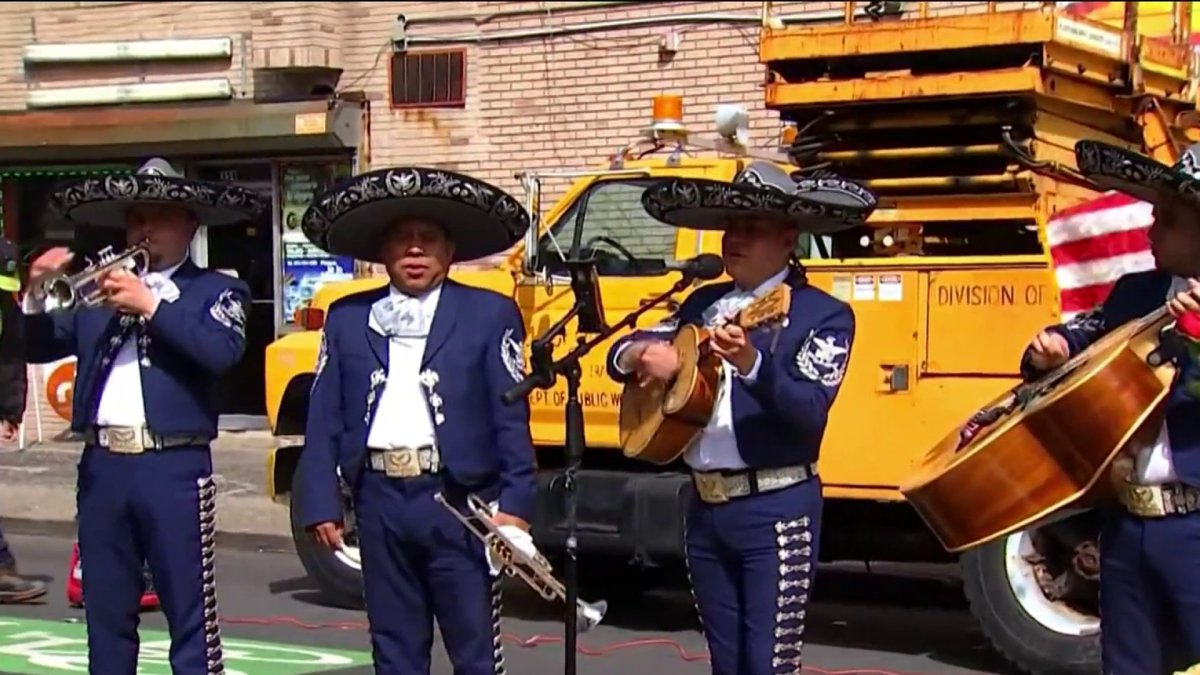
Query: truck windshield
(612, 212)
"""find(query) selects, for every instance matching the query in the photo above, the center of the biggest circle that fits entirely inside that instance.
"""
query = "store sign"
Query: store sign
(306, 267)
(60, 388)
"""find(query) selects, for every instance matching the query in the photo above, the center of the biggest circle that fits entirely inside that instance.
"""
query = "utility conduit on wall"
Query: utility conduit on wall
(824, 16)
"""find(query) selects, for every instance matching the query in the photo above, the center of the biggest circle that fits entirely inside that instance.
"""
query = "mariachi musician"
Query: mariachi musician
(753, 525)
(407, 404)
(150, 357)
(1150, 540)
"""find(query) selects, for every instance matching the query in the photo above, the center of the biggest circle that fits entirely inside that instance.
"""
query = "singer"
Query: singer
(753, 526)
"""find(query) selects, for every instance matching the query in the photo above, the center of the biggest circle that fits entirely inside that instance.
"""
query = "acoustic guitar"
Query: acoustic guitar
(1044, 450)
(659, 420)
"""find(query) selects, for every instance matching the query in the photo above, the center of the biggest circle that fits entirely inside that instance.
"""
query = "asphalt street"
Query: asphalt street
(273, 623)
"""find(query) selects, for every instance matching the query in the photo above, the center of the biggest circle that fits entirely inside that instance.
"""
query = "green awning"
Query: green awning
(64, 171)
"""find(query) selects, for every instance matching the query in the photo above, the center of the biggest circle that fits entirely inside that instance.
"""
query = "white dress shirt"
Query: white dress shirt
(402, 418)
(121, 401)
(1153, 464)
(716, 448)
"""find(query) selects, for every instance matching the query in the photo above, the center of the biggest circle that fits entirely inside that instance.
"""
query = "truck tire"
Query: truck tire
(338, 575)
(1037, 634)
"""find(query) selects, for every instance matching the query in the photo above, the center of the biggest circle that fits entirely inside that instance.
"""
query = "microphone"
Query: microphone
(705, 266)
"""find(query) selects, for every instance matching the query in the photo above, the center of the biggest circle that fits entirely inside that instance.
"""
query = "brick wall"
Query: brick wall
(566, 98)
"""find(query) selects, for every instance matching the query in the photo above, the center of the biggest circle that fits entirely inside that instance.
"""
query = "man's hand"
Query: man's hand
(128, 293)
(1186, 301)
(1048, 350)
(501, 519)
(657, 360)
(52, 262)
(8, 431)
(328, 535)
(732, 344)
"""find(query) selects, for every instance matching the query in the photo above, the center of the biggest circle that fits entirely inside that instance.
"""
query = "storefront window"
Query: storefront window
(27, 221)
(306, 267)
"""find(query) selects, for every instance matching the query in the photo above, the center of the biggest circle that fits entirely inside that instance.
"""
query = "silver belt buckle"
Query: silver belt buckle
(1145, 501)
(711, 487)
(122, 440)
(401, 463)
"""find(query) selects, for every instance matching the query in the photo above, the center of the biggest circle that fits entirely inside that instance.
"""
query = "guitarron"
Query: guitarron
(659, 420)
(1044, 450)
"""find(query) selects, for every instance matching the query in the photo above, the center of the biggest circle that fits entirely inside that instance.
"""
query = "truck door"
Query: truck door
(609, 208)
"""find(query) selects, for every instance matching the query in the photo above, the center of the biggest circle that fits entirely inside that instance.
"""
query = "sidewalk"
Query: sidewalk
(37, 491)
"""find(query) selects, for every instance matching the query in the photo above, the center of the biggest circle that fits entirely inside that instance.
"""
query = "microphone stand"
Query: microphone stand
(544, 374)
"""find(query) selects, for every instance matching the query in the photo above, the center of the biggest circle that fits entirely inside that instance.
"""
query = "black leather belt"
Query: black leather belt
(137, 440)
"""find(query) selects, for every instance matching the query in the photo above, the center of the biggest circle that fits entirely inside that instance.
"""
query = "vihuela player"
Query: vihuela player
(407, 404)
(753, 526)
(149, 363)
(1150, 539)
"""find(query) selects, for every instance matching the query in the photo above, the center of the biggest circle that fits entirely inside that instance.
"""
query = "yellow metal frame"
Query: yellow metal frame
(950, 32)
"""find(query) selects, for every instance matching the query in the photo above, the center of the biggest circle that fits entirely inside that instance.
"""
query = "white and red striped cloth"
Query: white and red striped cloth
(1093, 244)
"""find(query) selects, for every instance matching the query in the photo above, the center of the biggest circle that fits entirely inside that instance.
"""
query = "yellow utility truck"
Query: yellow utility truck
(964, 125)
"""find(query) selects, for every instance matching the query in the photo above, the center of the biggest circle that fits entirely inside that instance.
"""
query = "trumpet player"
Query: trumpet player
(151, 348)
(754, 522)
(406, 403)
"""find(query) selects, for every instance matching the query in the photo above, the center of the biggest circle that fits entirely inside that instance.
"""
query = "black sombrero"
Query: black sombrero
(1115, 168)
(104, 201)
(352, 217)
(817, 204)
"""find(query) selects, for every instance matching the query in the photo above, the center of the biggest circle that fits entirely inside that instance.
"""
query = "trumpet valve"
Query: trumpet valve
(500, 550)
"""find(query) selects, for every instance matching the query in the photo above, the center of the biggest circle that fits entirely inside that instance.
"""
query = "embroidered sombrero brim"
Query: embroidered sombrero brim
(703, 204)
(105, 201)
(353, 217)
(1115, 168)
(836, 191)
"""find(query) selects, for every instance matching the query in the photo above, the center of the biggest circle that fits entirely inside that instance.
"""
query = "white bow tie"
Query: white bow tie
(400, 317)
(161, 286)
(724, 309)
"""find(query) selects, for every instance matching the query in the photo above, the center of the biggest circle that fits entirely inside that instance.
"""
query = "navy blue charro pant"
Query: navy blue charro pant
(752, 563)
(420, 563)
(159, 507)
(1149, 591)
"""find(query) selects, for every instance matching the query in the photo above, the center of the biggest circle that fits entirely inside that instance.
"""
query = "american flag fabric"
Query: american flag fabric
(1095, 243)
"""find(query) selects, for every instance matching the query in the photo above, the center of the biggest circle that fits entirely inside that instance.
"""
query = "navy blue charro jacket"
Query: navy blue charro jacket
(190, 343)
(780, 419)
(1132, 297)
(483, 443)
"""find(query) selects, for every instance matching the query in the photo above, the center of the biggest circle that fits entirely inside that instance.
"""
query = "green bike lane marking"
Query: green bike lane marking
(38, 647)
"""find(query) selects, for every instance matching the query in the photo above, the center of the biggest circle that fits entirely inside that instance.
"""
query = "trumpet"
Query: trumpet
(534, 571)
(64, 291)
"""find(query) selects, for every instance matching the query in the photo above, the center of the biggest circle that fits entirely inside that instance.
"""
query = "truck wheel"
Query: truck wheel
(338, 574)
(1034, 604)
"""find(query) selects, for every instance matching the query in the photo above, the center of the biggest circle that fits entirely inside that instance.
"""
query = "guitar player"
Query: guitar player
(753, 525)
(1150, 540)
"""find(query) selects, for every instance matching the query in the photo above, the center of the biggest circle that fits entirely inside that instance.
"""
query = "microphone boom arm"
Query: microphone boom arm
(544, 370)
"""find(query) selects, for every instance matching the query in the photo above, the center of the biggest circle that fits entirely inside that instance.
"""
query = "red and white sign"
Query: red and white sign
(1095, 243)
